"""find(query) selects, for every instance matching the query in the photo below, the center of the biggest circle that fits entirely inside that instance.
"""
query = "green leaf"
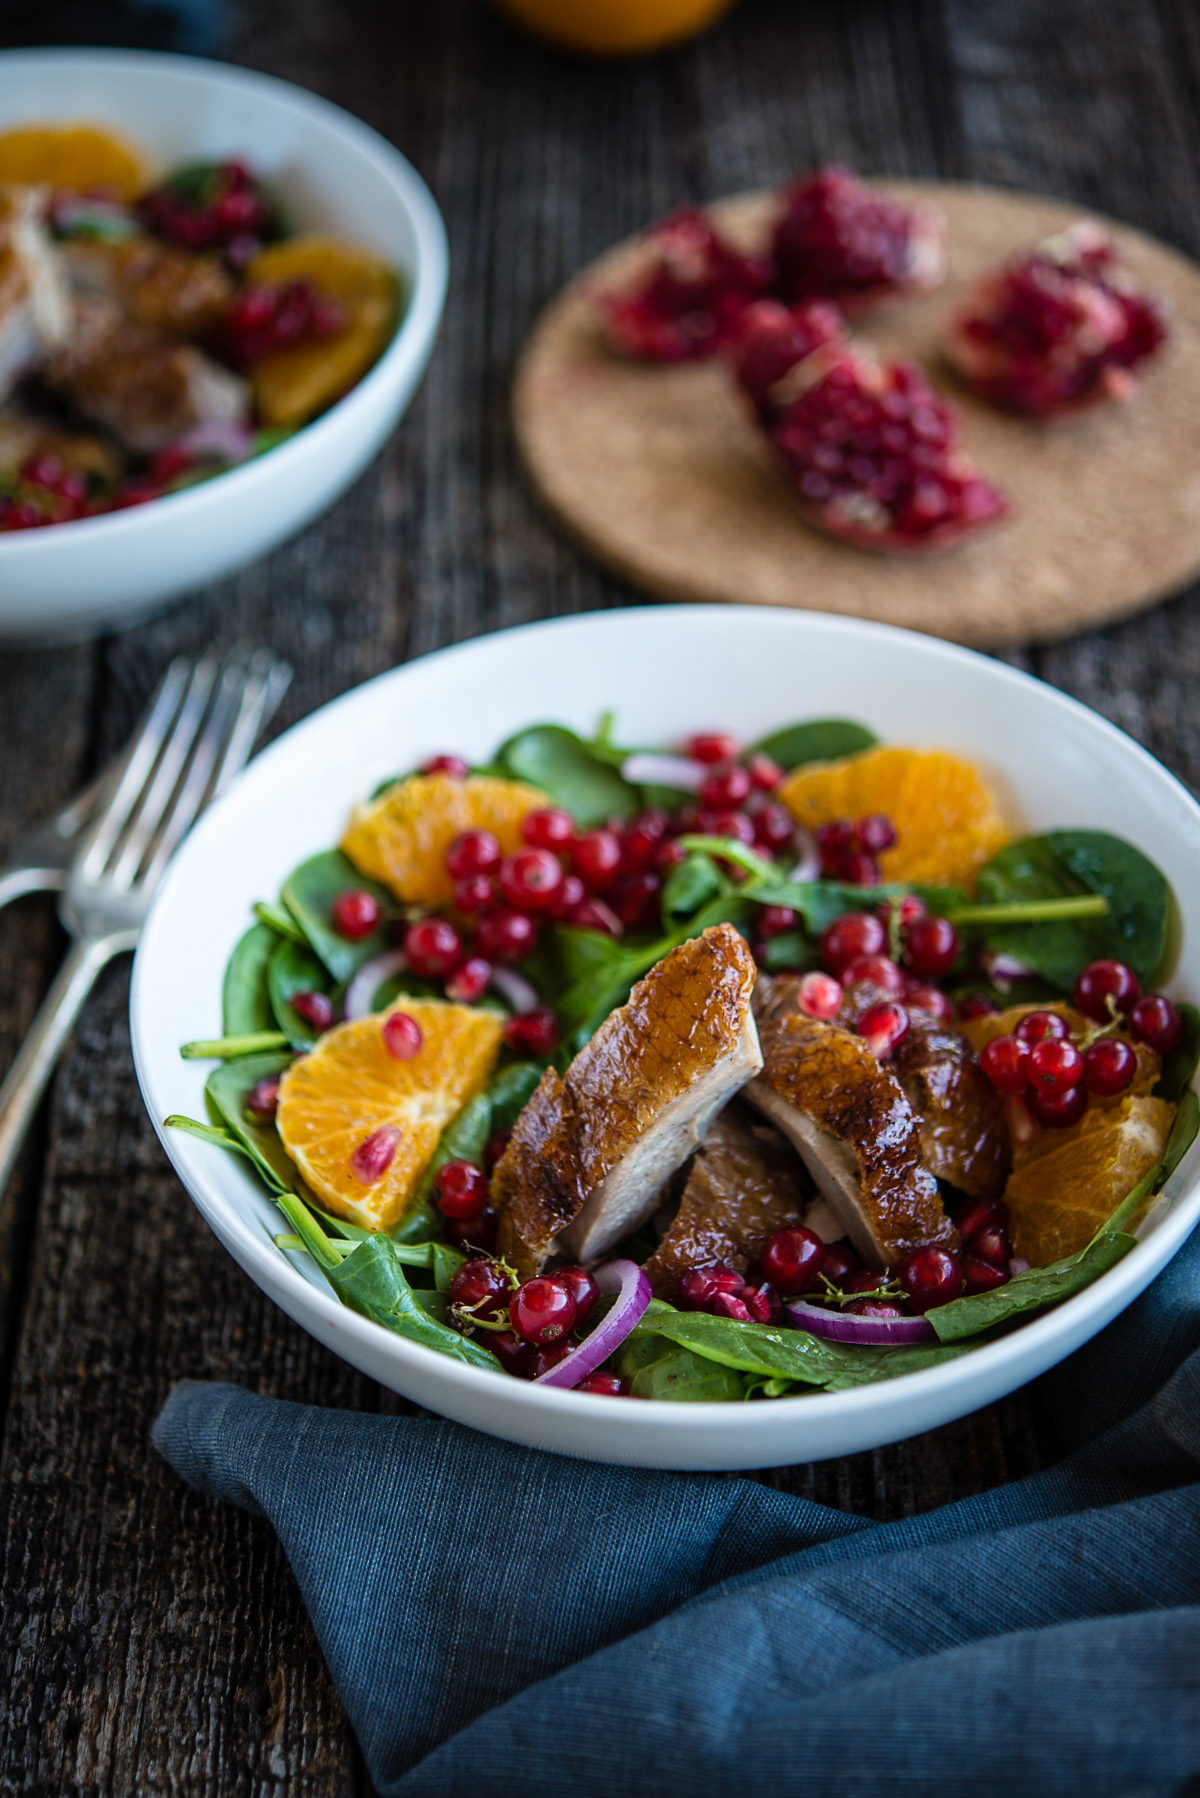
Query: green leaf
(731, 849)
(245, 1001)
(818, 902)
(1065, 863)
(658, 1369)
(279, 920)
(818, 740)
(213, 1133)
(228, 1048)
(790, 949)
(1179, 1066)
(309, 892)
(510, 1091)
(227, 1089)
(560, 763)
(292, 969)
(371, 1281)
(464, 1139)
(1183, 1132)
(689, 886)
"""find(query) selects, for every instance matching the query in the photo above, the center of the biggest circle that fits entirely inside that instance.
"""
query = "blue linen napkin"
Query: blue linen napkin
(499, 1620)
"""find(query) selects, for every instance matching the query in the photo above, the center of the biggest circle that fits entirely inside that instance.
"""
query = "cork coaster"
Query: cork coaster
(662, 474)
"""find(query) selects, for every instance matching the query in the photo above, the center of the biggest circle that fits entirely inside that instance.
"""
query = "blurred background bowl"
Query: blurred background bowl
(332, 173)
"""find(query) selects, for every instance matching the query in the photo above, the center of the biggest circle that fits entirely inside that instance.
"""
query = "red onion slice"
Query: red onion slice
(360, 994)
(664, 771)
(515, 990)
(841, 1326)
(632, 1288)
(1004, 970)
(804, 844)
(224, 439)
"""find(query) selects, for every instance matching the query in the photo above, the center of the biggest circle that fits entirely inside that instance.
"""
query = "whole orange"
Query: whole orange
(615, 27)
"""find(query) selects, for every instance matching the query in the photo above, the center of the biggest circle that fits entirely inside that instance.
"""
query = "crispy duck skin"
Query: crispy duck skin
(587, 1160)
(851, 1123)
(743, 1185)
(157, 284)
(35, 307)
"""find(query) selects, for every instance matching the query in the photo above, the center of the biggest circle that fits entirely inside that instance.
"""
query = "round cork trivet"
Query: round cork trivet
(664, 476)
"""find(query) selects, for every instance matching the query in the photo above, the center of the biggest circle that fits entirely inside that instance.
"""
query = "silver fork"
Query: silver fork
(196, 737)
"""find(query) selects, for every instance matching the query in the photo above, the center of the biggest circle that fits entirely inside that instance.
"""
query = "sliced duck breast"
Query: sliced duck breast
(35, 305)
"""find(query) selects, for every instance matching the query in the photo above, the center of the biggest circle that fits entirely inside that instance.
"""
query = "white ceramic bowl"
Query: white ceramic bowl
(666, 671)
(333, 173)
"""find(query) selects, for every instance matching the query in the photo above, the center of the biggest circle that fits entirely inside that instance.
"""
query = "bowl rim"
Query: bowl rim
(404, 353)
(275, 1273)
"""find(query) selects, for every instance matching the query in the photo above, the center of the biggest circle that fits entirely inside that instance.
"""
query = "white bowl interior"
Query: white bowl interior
(666, 672)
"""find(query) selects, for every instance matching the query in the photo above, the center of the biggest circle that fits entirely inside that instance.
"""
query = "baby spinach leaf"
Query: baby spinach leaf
(213, 1133)
(818, 740)
(510, 1091)
(464, 1139)
(561, 764)
(1183, 1132)
(245, 1001)
(659, 1369)
(1063, 863)
(309, 892)
(689, 886)
(817, 902)
(292, 969)
(791, 949)
(227, 1089)
(1179, 1066)
(279, 919)
(371, 1281)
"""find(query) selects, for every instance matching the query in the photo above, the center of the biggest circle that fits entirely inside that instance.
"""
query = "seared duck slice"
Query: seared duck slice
(853, 1126)
(744, 1184)
(35, 306)
(157, 284)
(632, 1106)
(146, 388)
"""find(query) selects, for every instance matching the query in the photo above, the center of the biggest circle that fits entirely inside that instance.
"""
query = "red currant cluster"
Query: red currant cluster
(45, 492)
(1043, 1062)
(850, 848)
(218, 208)
(264, 318)
(541, 1314)
(853, 949)
(734, 797)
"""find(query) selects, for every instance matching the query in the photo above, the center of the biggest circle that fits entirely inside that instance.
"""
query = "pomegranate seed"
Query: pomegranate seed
(980, 1215)
(635, 900)
(774, 827)
(548, 828)
(930, 1276)
(762, 1302)
(606, 1385)
(982, 1276)
(883, 1308)
(992, 1245)
(1005, 1062)
(496, 1146)
(878, 970)
(1040, 1027)
(840, 1262)
(712, 746)
(725, 788)
(263, 1098)
(820, 996)
(535, 1033)
(1054, 1065)
(596, 857)
(793, 1260)
(473, 852)
(764, 773)
(1101, 981)
(1157, 1023)
(447, 764)
(432, 948)
(881, 1027)
(514, 1356)
(855, 933)
(402, 1036)
(479, 1287)
(469, 980)
(1056, 1111)
(929, 999)
(549, 1356)
(1108, 1067)
(977, 1005)
(355, 914)
(700, 1287)
(930, 947)
(583, 1290)
(475, 894)
(315, 1008)
(542, 1310)
(773, 920)
(461, 1189)
(771, 339)
(476, 1233)
(530, 879)
(875, 833)
(642, 841)
(374, 1156)
(505, 936)
(593, 914)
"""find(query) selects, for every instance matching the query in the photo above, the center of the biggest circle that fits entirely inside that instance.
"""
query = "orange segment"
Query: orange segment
(947, 821)
(79, 157)
(1060, 1197)
(348, 1087)
(401, 838)
(291, 384)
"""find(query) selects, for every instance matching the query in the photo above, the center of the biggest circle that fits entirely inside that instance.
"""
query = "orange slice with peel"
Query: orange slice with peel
(1058, 1198)
(947, 820)
(293, 383)
(349, 1089)
(402, 837)
(81, 158)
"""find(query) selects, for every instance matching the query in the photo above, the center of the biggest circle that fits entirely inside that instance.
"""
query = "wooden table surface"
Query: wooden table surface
(148, 1642)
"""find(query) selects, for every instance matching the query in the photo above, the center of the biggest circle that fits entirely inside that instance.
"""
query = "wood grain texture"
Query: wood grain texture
(150, 1643)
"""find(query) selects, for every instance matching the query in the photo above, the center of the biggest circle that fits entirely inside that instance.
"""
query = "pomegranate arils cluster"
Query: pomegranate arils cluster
(1060, 329)
(263, 319)
(216, 206)
(771, 339)
(691, 297)
(840, 240)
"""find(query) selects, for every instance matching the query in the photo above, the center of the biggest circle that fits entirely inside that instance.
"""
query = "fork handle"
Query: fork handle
(30, 1072)
(16, 882)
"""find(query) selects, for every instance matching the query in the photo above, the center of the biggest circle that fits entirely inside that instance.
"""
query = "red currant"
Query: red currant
(597, 858)
(469, 980)
(374, 1156)
(570, 894)
(930, 999)
(432, 948)
(876, 833)
(793, 1260)
(475, 894)
(834, 843)
(402, 1036)
(473, 852)
(530, 879)
(1057, 1110)
(671, 855)
(583, 1290)
(461, 1189)
(840, 1262)
(447, 764)
(542, 1310)
(910, 907)
(977, 1005)
(1040, 1027)
(878, 969)
(1108, 1067)
(1101, 981)
(820, 996)
(992, 1245)
(476, 1233)
(479, 1287)
(774, 827)
(712, 746)
(514, 1356)
(765, 774)
(725, 789)
(548, 828)
(930, 947)
(315, 1008)
(635, 900)
(533, 1033)
(773, 920)
(881, 1027)
(642, 841)
(263, 1098)
(982, 1214)
(1157, 1023)
(859, 869)
(505, 936)
(930, 1276)
(982, 1276)
(1004, 1060)
(701, 1287)
(737, 825)
(549, 1356)
(854, 933)
(1055, 1064)
(355, 914)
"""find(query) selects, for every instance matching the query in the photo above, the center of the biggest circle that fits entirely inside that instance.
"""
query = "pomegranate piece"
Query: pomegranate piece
(771, 340)
(838, 240)
(874, 456)
(1058, 330)
(687, 303)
